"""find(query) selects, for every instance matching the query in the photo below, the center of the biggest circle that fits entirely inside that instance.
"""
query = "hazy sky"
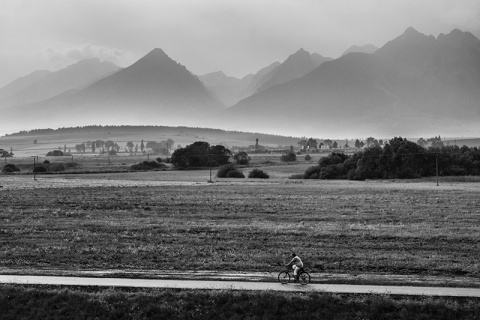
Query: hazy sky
(235, 36)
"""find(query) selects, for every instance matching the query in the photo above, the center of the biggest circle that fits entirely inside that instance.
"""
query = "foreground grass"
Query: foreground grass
(335, 226)
(89, 303)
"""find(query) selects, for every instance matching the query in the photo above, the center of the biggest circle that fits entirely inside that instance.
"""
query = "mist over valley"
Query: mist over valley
(415, 85)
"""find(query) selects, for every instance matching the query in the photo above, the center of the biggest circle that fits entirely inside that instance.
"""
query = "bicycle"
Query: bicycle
(303, 276)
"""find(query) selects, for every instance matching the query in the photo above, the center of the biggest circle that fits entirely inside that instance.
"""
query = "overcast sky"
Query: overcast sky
(235, 36)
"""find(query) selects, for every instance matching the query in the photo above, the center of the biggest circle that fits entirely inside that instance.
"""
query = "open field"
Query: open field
(176, 220)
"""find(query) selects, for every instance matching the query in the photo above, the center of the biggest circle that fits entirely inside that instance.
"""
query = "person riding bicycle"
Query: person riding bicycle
(296, 264)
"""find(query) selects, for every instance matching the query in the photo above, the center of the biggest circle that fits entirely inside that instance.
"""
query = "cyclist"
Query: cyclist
(296, 264)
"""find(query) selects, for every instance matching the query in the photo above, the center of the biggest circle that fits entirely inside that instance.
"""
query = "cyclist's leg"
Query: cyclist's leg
(295, 271)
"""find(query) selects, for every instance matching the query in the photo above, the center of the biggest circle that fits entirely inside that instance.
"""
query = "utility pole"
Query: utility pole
(34, 176)
(436, 166)
(210, 165)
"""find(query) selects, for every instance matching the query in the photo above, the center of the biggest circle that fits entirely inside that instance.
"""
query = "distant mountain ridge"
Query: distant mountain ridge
(367, 48)
(45, 85)
(295, 66)
(414, 83)
(153, 88)
(22, 83)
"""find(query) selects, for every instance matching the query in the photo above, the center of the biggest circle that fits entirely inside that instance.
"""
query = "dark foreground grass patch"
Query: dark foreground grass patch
(19, 302)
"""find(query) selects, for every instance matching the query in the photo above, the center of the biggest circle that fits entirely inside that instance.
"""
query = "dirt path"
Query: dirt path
(239, 285)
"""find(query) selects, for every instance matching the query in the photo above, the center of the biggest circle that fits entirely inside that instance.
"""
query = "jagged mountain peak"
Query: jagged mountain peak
(411, 31)
(367, 48)
(156, 57)
(157, 53)
(458, 38)
(299, 54)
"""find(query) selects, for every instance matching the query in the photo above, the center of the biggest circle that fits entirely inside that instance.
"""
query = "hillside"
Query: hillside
(22, 83)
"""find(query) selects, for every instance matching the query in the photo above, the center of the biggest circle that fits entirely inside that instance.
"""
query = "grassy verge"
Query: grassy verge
(92, 303)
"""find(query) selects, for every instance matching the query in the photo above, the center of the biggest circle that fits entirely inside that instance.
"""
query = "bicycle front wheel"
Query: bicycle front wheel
(304, 278)
(284, 277)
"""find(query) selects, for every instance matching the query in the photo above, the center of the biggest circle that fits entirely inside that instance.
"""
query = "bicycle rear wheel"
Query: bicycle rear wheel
(304, 278)
(284, 277)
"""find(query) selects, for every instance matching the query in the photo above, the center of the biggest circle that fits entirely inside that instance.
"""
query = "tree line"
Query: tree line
(398, 159)
(110, 147)
(312, 144)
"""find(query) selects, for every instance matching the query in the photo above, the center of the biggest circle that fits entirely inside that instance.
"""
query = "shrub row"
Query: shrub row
(46, 167)
(147, 165)
(230, 171)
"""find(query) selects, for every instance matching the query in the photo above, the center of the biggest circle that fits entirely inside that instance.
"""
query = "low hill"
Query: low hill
(41, 141)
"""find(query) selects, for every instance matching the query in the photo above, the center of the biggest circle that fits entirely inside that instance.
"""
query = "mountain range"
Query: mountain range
(414, 85)
(42, 85)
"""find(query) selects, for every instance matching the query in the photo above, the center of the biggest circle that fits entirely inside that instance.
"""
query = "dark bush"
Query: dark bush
(46, 161)
(8, 170)
(55, 153)
(289, 157)
(405, 173)
(241, 158)
(57, 167)
(212, 163)
(243, 162)
(40, 169)
(312, 173)
(159, 160)
(235, 174)
(333, 171)
(224, 170)
(146, 165)
(308, 157)
(11, 166)
(296, 176)
(257, 173)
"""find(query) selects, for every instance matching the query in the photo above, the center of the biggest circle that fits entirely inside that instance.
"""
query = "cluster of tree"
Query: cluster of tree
(435, 142)
(5, 154)
(398, 159)
(312, 144)
(309, 144)
(163, 147)
(200, 154)
(9, 168)
(241, 158)
(55, 153)
(289, 157)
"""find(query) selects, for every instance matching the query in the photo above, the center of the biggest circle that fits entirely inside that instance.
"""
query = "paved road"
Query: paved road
(238, 285)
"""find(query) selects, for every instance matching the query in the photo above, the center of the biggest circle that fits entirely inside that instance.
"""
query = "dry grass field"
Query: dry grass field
(177, 220)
